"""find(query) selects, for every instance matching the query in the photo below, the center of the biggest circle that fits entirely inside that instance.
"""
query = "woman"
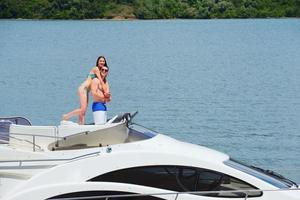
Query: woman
(101, 94)
(84, 89)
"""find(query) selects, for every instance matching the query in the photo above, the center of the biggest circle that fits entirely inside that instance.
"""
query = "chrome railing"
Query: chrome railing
(34, 146)
(34, 136)
(176, 195)
(19, 164)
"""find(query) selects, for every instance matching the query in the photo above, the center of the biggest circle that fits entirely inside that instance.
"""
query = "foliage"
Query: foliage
(148, 9)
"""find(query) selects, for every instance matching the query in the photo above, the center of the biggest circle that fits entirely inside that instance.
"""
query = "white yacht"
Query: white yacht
(122, 160)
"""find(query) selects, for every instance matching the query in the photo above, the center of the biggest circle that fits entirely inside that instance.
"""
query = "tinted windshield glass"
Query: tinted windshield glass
(244, 168)
(141, 130)
(182, 179)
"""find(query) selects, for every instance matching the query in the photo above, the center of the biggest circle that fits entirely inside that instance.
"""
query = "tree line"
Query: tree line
(147, 9)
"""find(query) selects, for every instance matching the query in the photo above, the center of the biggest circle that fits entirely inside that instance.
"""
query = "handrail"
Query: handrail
(20, 162)
(246, 192)
(34, 137)
(57, 132)
(56, 137)
(22, 140)
(46, 136)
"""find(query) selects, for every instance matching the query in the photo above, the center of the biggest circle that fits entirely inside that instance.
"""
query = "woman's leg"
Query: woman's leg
(71, 114)
(83, 106)
(78, 111)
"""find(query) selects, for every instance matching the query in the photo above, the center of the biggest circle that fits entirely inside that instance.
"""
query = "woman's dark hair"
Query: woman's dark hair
(105, 65)
(99, 59)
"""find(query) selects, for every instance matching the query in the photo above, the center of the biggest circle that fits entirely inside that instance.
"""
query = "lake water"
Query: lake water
(232, 85)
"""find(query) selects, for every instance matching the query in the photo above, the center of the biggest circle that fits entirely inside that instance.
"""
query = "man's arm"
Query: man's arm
(107, 94)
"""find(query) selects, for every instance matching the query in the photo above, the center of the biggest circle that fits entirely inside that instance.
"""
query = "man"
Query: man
(101, 95)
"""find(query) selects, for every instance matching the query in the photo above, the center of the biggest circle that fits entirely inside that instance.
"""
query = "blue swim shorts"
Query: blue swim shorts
(99, 106)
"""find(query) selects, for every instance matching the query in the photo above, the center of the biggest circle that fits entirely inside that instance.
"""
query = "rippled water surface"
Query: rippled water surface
(232, 85)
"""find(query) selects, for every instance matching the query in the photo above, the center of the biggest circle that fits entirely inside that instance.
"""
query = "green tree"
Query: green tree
(148, 9)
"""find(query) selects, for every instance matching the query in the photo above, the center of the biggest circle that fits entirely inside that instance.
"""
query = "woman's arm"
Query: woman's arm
(96, 71)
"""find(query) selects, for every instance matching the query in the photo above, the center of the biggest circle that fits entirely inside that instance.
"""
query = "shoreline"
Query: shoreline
(136, 19)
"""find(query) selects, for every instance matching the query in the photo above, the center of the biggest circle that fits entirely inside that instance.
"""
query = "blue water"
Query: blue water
(232, 85)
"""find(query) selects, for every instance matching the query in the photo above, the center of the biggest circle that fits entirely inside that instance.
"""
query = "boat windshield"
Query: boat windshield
(137, 129)
(268, 176)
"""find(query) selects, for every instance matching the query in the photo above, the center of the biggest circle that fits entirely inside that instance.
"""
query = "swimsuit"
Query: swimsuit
(99, 113)
(85, 89)
(99, 106)
(92, 76)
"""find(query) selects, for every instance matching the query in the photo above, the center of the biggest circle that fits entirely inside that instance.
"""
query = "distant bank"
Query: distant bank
(147, 9)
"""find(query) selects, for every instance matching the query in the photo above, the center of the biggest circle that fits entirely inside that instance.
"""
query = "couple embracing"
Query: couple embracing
(97, 83)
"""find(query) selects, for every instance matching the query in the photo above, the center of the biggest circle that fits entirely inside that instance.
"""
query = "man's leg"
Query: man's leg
(100, 117)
